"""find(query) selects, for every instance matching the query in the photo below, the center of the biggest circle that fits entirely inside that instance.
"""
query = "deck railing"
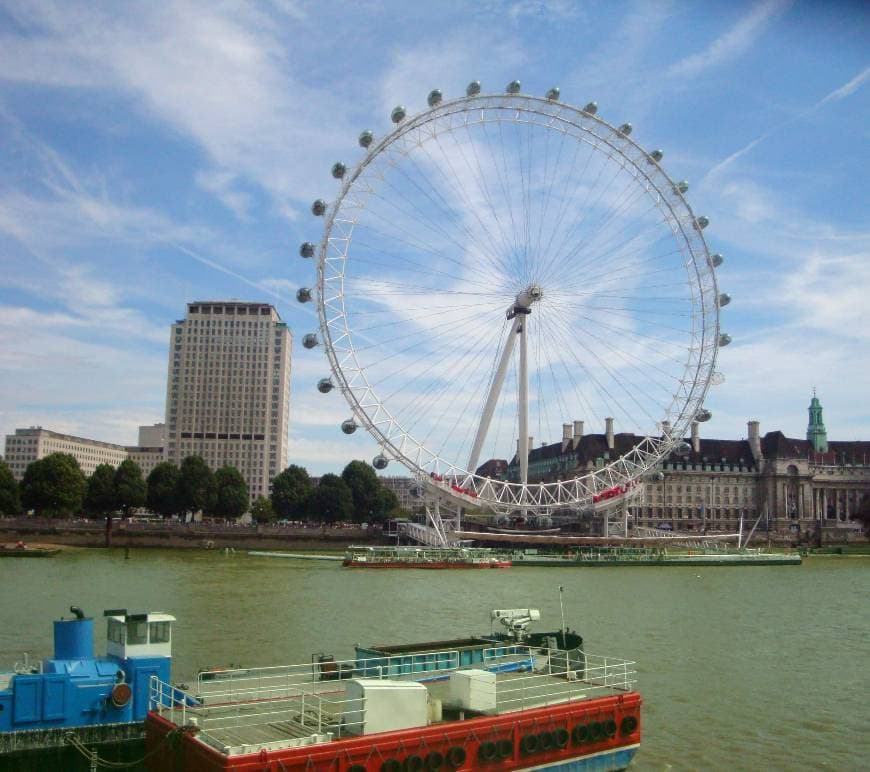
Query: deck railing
(311, 700)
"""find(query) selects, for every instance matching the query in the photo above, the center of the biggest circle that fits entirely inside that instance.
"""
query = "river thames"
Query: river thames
(739, 668)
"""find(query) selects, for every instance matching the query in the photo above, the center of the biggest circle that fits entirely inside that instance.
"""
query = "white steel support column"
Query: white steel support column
(492, 397)
(524, 403)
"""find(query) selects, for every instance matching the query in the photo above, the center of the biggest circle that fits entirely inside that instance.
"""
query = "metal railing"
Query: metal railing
(311, 703)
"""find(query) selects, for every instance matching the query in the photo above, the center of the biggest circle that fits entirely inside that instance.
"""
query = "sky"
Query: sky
(155, 154)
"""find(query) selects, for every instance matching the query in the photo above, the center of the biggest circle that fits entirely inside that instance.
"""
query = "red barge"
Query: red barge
(509, 701)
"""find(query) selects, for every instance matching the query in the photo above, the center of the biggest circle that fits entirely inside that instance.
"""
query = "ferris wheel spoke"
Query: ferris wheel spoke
(448, 214)
(633, 360)
(572, 231)
(495, 252)
(602, 366)
(502, 245)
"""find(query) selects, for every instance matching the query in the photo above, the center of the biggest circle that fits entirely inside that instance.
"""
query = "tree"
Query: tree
(230, 493)
(366, 490)
(195, 485)
(291, 491)
(261, 510)
(388, 504)
(129, 487)
(162, 489)
(332, 500)
(10, 500)
(54, 485)
(100, 494)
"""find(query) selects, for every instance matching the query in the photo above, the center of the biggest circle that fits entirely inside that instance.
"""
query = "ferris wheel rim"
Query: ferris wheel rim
(369, 409)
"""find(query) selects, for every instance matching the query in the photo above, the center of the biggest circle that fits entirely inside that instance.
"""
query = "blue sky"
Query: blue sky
(159, 153)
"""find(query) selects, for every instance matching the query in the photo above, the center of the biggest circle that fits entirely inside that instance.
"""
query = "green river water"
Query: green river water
(756, 668)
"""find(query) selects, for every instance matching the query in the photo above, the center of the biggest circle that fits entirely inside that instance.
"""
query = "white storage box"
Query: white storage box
(378, 705)
(473, 690)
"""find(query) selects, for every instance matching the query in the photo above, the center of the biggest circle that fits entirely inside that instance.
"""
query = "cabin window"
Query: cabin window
(115, 631)
(137, 632)
(159, 632)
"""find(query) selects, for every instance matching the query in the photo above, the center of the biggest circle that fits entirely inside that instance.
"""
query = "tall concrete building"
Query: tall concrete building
(228, 390)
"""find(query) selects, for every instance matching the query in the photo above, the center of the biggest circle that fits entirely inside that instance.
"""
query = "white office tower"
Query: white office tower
(228, 391)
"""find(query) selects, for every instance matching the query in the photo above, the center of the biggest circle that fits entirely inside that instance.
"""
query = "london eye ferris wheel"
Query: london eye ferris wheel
(499, 266)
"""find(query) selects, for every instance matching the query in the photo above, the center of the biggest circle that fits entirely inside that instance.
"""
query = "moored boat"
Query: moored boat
(424, 557)
(75, 695)
(509, 701)
(22, 550)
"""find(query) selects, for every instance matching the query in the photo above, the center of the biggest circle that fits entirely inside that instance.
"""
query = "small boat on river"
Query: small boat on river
(22, 550)
(511, 700)
(424, 557)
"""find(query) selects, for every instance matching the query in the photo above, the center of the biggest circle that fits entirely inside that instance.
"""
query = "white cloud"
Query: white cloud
(731, 43)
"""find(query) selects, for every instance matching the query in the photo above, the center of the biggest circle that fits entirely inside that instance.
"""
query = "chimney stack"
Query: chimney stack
(566, 437)
(754, 440)
(608, 423)
(696, 440)
(578, 433)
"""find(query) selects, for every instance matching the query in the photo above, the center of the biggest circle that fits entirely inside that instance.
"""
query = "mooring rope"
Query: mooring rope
(91, 756)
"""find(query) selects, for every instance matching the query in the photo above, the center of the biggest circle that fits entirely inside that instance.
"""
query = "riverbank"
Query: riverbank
(81, 533)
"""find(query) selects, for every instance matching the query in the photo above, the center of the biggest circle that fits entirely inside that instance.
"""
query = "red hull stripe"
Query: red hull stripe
(556, 736)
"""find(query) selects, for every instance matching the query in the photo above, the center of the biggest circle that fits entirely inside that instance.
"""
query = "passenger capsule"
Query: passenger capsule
(513, 87)
(348, 426)
(318, 208)
(309, 340)
(716, 260)
(625, 129)
(365, 138)
(473, 88)
(681, 187)
(703, 415)
(306, 249)
(659, 477)
(338, 170)
(398, 114)
(553, 94)
(724, 339)
(683, 449)
(303, 294)
(435, 97)
(724, 299)
(380, 461)
(325, 385)
(702, 222)
(656, 156)
(591, 108)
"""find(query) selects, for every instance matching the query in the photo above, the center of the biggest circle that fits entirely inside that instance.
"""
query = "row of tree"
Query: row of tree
(55, 486)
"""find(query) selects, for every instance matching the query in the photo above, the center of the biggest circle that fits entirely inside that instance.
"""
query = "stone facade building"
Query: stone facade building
(792, 487)
(28, 445)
